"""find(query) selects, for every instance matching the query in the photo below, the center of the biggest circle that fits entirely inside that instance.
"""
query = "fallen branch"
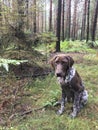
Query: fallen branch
(32, 110)
(27, 112)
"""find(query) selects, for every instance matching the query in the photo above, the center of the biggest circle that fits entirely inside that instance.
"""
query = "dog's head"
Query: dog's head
(61, 64)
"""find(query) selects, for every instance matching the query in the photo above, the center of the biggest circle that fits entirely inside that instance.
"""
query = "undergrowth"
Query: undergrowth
(47, 92)
(68, 46)
(44, 92)
(76, 46)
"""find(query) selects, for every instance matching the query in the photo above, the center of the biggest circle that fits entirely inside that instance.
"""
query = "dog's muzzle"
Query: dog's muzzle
(61, 80)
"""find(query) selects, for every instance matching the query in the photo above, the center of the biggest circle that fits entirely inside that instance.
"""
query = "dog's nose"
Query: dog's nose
(58, 75)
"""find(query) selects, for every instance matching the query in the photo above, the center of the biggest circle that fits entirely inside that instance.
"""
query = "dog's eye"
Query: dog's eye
(62, 62)
(56, 62)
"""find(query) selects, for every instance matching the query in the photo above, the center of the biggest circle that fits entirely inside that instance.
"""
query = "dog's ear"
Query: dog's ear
(52, 61)
(70, 61)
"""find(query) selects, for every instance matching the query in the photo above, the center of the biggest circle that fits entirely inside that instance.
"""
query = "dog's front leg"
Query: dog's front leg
(76, 105)
(61, 110)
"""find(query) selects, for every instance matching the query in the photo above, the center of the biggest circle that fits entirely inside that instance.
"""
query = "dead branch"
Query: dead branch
(32, 110)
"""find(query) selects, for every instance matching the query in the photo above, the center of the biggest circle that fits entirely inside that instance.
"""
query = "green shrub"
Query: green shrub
(5, 63)
(92, 44)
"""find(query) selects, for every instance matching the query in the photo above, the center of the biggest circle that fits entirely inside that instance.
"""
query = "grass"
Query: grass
(67, 46)
(45, 92)
(75, 46)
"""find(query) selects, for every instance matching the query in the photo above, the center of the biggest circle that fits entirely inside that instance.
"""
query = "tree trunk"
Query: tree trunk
(34, 16)
(45, 16)
(74, 21)
(54, 20)
(19, 28)
(27, 15)
(87, 37)
(95, 22)
(58, 29)
(84, 21)
(42, 26)
(38, 17)
(0, 17)
(63, 6)
(69, 8)
(69, 19)
(50, 18)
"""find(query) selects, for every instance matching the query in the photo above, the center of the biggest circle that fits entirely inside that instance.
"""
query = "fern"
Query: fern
(5, 63)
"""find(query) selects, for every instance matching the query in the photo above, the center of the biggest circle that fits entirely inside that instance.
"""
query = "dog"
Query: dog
(71, 84)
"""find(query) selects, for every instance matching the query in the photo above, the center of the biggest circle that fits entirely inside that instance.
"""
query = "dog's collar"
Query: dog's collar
(70, 75)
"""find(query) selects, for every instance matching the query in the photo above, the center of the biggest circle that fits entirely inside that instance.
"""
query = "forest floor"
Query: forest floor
(28, 103)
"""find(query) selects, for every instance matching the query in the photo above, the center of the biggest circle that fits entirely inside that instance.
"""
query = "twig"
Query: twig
(32, 110)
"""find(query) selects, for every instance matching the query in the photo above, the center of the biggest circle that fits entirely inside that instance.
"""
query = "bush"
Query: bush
(5, 63)
(46, 37)
(92, 44)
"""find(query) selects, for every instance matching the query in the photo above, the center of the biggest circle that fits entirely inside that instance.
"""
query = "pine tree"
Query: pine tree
(87, 37)
(95, 22)
(58, 29)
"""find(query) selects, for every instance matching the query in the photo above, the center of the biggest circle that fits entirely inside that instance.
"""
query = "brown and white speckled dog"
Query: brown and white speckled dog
(71, 83)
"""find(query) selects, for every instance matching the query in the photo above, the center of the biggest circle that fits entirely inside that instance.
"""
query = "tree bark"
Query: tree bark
(19, 28)
(42, 26)
(63, 6)
(34, 16)
(67, 19)
(58, 29)
(50, 18)
(27, 14)
(69, 8)
(45, 16)
(95, 22)
(74, 21)
(84, 21)
(87, 37)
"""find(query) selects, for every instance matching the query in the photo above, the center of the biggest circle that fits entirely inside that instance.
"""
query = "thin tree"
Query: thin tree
(42, 19)
(69, 8)
(19, 28)
(74, 21)
(54, 19)
(84, 21)
(95, 21)
(34, 23)
(88, 13)
(67, 19)
(0, 9)
(63, 7)
(45, 15)
(58, 29)
(50, 18)
(27, 14)
(37, 19)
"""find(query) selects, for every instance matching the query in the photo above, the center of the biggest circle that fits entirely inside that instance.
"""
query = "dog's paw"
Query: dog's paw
(57, 103)
(81, 106)
(73, 115)
(59, 112)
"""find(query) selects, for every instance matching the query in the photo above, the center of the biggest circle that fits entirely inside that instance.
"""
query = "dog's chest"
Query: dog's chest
(67, 79)
(68, 90)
